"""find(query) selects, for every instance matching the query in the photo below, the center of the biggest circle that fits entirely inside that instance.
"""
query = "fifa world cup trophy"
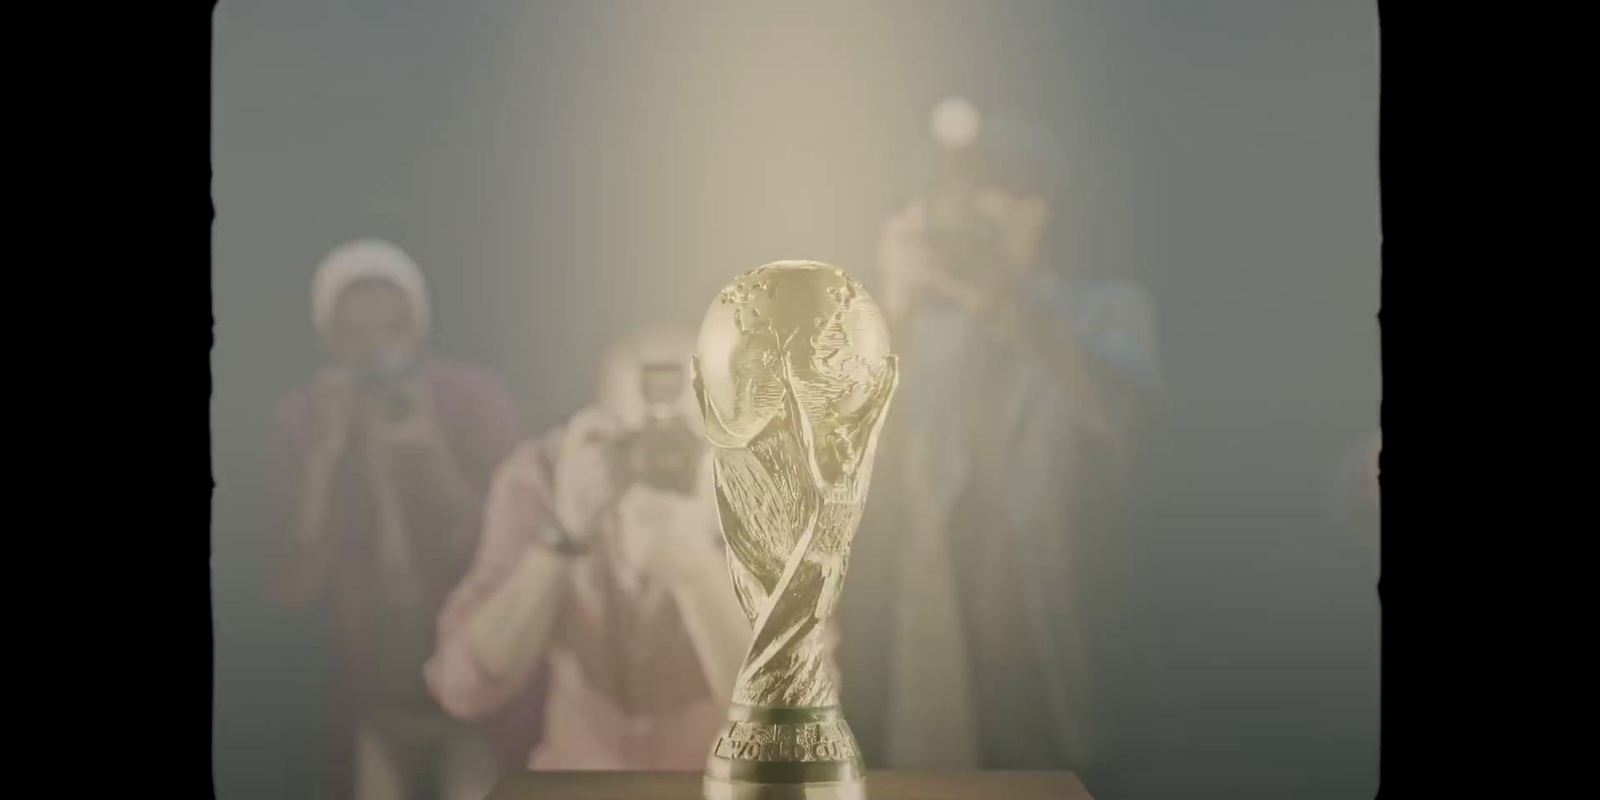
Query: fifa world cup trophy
(794, 376)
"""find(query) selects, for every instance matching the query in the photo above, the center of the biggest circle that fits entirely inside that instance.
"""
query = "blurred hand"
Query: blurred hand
(333, 411)
(417, 429)
(911, 269)
(585, 480)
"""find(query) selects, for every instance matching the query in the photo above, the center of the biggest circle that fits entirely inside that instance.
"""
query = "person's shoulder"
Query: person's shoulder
(1053, 286)
(545, 447)
(1123, 292)
(465, 378)
(532, 460)
(527, 455)
(459, 370)
(1120, 304)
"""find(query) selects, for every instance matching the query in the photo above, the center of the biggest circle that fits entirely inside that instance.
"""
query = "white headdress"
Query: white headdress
(361, 260)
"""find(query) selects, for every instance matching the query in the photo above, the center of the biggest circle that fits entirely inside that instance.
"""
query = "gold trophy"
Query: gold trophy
(794, 376)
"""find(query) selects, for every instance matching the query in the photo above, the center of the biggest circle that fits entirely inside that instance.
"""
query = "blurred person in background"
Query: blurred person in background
(389, 454)
(1025, 380)
(602, 554)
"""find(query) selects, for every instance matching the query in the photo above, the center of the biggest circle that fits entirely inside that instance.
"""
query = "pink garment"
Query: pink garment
(627, 688)
(587, 730)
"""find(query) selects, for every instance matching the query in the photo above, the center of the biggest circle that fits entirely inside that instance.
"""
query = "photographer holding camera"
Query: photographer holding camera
(602, 556)
(1023, 385)
(389, 450)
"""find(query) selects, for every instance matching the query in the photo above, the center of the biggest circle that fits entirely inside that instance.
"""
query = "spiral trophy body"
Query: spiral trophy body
(794, 377)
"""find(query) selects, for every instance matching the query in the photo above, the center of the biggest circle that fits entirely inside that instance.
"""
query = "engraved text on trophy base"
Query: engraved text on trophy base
(812, 741)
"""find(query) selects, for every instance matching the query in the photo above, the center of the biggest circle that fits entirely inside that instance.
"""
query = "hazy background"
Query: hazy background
(565, 170)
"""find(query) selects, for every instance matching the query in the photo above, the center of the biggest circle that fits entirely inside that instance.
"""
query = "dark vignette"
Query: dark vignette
(126, 653)
(1455, 706)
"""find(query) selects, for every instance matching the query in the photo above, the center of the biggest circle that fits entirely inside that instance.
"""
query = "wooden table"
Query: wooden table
(880, 786)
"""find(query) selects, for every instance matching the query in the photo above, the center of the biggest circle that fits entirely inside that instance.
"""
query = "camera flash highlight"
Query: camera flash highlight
(955, 123)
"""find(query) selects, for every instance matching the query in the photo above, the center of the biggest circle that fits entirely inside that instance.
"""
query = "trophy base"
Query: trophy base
(764, 753)
(713, 789)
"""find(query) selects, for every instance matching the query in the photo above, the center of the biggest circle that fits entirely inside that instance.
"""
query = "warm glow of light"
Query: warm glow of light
(955, 123)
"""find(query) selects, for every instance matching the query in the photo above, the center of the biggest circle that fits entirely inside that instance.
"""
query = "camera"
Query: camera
(665, 453)
(385, 380)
